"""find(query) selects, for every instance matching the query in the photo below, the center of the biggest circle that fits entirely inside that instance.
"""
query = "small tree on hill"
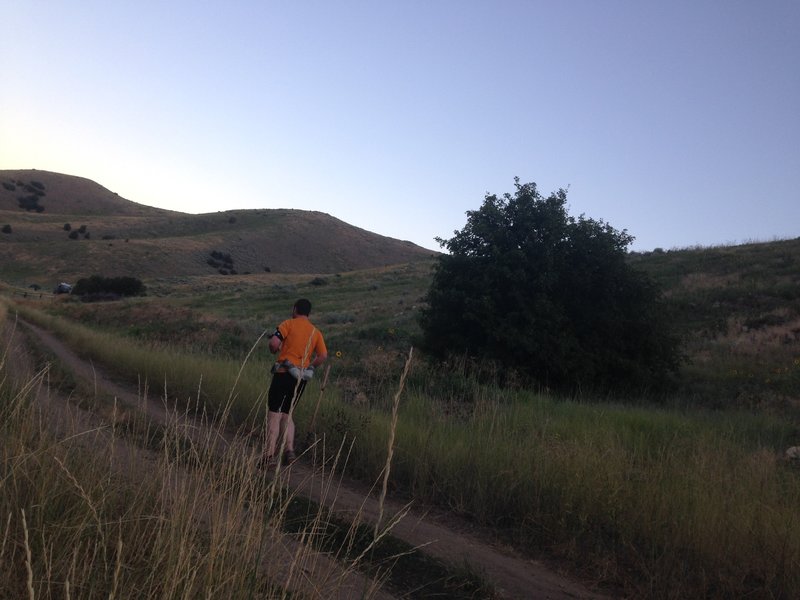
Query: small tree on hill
(548, 295)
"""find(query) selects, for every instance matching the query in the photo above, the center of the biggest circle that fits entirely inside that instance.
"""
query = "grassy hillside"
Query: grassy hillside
(667, 501)
(738, 308)
(60, 228)
(59, 194)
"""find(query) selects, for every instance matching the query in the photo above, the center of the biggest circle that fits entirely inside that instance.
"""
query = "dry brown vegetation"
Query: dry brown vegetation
(125, 238)
(738, 308)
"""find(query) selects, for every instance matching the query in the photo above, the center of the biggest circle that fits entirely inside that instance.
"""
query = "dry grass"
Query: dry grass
(694, 282)
(87, 513)
(746, 340)
(149, 243)
(70, 195)
(390, 444)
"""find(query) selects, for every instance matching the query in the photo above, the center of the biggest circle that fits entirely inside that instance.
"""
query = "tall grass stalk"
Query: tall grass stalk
(390, 449)
(28, 557)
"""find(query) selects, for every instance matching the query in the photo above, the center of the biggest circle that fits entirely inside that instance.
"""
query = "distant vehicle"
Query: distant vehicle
(63, 288)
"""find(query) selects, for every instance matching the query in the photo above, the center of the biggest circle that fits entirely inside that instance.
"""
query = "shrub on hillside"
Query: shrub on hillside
(6, 228)
(9, 186)
(73, 235)
(222, 262)
(99, 285)
(222, 256)
(32, 189)
(548, 295)
(30, 203)
(67, 226)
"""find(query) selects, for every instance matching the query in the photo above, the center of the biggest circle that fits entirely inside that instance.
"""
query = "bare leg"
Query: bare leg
(273, 431)
(288, 426)
(279, 424)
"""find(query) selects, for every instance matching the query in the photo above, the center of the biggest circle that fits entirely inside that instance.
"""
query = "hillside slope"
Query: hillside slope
(60, 227)
(56, 193)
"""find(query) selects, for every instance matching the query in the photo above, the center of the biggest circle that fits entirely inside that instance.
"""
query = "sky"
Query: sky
(677, 121)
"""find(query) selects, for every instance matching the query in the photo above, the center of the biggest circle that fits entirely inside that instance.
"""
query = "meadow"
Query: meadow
(101, 499)
(678, 495)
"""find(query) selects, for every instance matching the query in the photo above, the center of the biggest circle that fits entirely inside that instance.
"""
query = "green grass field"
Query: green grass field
(689, 497)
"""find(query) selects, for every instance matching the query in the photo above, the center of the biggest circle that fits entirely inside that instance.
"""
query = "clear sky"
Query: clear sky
(678, 121)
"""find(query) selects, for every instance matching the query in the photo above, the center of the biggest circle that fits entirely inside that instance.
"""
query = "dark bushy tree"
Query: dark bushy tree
(120, 286)
(30, 203)
(548, 295)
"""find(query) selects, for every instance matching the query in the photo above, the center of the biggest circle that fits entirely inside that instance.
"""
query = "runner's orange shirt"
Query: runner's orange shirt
(301, 341)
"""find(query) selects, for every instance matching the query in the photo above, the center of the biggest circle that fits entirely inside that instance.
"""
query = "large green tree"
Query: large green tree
(551, 296)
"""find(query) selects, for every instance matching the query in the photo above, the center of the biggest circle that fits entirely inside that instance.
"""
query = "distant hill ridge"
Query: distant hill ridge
(58, 226)
(66, 194)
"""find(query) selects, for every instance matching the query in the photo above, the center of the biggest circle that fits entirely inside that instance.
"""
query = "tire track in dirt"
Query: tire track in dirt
(438, 534)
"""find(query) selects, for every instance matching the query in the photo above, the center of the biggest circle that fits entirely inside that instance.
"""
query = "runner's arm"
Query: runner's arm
(319, 359)
(275, 341)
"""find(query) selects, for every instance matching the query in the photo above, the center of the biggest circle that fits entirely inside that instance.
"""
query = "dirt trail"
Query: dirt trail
(319, 575)
(439, 534)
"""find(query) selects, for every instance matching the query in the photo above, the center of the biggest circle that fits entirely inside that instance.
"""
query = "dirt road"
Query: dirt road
(439, 534)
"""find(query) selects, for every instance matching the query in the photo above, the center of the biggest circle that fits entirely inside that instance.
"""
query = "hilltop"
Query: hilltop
(61, 227)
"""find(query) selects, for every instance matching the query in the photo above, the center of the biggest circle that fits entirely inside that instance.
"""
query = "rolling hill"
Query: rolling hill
(60, 227)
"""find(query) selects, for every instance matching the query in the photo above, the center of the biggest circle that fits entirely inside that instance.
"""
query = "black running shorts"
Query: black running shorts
(281, 392)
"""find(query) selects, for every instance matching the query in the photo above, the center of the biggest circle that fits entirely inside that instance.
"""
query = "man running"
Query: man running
(300, 348)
